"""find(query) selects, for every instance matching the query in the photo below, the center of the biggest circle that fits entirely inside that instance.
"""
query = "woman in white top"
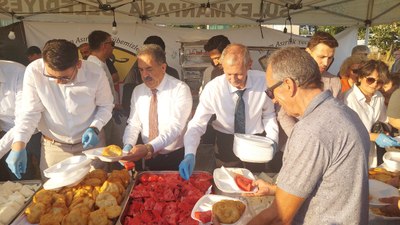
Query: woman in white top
(365, 99)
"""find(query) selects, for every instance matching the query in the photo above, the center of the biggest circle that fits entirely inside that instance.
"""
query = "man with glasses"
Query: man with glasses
(241, 106)
(324, 178)
(67, 99)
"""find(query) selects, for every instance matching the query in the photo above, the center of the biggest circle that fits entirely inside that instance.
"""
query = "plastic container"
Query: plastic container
(253, 148)
(73, 178)
(392, 161)
(67, 166)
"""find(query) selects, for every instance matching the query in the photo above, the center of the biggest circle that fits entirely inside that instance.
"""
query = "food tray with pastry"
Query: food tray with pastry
(234, 180)
(97, 199)
(164, 198)
(110, 153)
(226, 209)
(14, 197)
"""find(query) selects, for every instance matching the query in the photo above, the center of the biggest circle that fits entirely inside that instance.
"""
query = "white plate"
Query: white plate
(379, 190)
(96, 153)
(69, 180)
(227, 184)
(66, 166)
(206, 202)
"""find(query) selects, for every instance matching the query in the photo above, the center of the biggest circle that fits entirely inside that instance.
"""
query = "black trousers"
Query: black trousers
(168, 161)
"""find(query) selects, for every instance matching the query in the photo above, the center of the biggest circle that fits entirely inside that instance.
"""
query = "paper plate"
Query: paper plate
(205, 203)
(380, 217)
(379, 190)
(67, 166)
(227, 184)
(71, 179)
(96, 153)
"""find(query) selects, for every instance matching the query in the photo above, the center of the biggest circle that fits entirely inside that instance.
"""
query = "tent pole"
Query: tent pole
(366, 34)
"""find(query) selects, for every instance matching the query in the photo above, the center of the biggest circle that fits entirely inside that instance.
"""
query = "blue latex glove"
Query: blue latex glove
(384, 141)
(17, 161)
(89, 138)
(127, 148)
(186, 166)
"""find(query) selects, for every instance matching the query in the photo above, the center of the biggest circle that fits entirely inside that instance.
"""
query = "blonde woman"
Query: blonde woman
(347, 71)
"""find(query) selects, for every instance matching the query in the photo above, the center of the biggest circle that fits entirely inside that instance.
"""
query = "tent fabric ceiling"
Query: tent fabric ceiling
(310, 12)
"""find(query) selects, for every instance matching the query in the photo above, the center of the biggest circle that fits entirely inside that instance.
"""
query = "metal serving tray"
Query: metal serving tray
(127, 201)
(27, 201)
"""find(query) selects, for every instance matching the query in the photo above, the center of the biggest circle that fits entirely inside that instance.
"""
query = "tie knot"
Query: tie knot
(240, 92)
(154, 91)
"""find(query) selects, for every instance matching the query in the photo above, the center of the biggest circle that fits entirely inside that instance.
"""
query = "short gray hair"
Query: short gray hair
(297, 64)
(238, 50)
(155, 51)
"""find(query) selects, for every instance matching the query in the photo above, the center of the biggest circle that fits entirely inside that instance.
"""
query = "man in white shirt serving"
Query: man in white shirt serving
(69, 100)
(224, 96)
(160, 108)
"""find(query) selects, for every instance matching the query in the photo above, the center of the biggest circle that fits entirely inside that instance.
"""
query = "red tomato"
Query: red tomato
(243, 182)
(204, 217)
(153, 178)
(144, 178)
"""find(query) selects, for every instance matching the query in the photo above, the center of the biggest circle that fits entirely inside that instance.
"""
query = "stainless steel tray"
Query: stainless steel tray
(128, 200)
(27, 201)
(21, 218)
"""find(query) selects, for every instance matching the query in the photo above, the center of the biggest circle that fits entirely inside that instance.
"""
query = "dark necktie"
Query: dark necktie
(153, 116)
(240, 117)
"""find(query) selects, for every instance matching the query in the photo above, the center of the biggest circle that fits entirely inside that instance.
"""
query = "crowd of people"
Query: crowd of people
(327, 129)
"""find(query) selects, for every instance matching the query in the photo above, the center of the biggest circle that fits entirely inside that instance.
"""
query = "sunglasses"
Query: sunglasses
(371, 80)
(110, 42)
(270, 91)
(63, 79)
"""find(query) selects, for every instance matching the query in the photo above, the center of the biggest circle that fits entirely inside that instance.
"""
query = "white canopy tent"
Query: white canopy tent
(302, 12)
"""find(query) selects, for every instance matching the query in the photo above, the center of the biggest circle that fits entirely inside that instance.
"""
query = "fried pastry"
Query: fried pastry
(35, 211)
(98, 217)
(112, 151)
(105, 199)
(228, 211)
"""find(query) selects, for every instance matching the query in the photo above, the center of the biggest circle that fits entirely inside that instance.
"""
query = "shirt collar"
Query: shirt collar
(320, 98)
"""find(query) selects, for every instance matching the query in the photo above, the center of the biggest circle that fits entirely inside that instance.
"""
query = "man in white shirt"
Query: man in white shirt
(69, 100)
(11, 78)
(160, 108)
(220, 96)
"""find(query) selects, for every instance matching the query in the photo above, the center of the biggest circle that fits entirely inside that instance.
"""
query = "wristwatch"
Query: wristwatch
(150, 151)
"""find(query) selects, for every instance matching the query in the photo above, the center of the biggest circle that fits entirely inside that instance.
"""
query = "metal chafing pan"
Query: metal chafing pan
(126, 203)
(38, 183)
(21, 218)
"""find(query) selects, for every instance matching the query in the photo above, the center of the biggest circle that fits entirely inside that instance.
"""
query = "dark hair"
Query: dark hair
(217, 42)
(33, 50)
(155, 40)
(324, 38)
(60, 54)
(370, 66)
(303, 70)
(96, 38)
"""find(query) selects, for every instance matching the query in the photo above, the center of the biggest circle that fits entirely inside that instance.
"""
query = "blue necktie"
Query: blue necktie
(240, 117)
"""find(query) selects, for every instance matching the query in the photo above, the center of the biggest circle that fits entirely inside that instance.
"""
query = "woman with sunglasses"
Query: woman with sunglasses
(366, 100)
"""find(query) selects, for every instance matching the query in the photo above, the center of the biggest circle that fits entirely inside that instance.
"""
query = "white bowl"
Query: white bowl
(253, 148)
(392, 160)
(67, 166)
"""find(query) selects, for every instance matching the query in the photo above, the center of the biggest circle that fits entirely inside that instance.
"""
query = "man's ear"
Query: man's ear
(290, 86)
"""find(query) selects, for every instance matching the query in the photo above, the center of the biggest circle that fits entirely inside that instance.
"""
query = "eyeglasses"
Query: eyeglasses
(63, 79)
(110, 42)
(371, 80)
(270, 91)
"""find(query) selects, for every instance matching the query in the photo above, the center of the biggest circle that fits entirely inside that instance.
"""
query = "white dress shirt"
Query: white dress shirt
(369, 113)
(65, 111)
(11, 79)
(174, 105)
(103, 65)
(219, 97)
